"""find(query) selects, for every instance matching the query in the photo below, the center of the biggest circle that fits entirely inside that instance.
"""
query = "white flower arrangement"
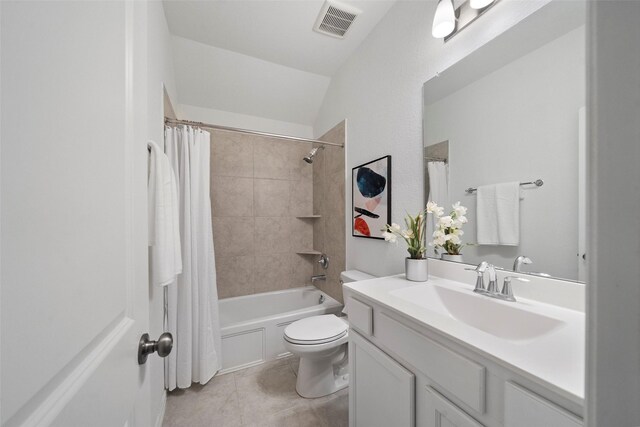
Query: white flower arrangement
(449, 229)
(414, 234)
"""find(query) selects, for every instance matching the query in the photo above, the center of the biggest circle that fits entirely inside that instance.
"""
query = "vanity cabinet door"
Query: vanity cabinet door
(381, 391)
(523, 408)
(443, 413)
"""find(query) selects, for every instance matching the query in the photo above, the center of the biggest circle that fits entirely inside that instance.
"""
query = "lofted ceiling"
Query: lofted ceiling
(219, 79)
(279, 31)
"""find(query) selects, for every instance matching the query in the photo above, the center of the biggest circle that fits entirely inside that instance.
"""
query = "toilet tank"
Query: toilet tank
(352, 276)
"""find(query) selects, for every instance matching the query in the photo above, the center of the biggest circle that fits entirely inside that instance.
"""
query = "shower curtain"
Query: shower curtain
(439, 193)
(192, 301)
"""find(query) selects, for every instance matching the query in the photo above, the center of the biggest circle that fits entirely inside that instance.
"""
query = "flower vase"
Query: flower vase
(417, 270)
(453, 258)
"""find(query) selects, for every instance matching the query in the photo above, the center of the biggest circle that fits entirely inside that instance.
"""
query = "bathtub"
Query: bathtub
(253, 325)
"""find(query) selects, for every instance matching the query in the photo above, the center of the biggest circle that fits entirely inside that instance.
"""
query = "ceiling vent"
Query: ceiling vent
(335, 19)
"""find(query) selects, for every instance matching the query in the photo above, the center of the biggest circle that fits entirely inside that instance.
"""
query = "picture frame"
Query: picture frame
(371, 198)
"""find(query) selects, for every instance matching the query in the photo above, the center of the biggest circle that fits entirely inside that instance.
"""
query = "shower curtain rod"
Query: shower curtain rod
(167, 120)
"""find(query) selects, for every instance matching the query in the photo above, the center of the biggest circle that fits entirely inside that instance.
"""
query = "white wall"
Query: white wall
(243, 121)
(613, 294)
(160, 74)
(520, 123)
(219, 79)
(379, 91)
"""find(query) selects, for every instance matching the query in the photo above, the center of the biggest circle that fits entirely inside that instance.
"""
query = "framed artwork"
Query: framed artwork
(371, 198)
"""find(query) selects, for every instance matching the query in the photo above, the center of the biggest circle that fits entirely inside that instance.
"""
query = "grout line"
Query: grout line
(291, 366)
(235, 382)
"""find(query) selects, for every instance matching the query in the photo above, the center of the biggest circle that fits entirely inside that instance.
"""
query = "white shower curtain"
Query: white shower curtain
(192, 302)
(439, 193)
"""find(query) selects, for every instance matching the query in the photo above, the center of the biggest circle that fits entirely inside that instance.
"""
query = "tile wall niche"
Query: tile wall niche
(259, 188)
(329, 234)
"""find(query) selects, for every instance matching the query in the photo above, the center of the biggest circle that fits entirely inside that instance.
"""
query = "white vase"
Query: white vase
(417, 270)
(454, 258)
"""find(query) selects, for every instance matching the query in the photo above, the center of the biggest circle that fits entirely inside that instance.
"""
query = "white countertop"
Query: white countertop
(556, 359)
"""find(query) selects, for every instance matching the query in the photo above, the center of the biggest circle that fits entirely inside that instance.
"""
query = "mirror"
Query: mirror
(513, 112)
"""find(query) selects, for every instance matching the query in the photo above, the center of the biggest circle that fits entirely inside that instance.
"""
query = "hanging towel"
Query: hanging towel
(164, 228)
(498, 214)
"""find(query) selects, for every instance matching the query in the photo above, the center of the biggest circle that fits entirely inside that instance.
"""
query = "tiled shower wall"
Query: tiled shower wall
(259, 186)
(329, 234)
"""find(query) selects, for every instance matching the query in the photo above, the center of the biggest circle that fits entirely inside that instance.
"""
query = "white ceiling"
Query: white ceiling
(276, 31)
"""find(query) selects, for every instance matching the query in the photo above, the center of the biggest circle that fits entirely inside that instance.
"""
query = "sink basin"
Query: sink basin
(506, 320)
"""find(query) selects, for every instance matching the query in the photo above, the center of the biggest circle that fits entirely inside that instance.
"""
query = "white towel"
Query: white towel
(498, 214)
(164, 227)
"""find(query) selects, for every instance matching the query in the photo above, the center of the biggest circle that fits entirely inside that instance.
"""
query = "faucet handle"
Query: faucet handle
(324, 261)
(479, 288)
(507, 292)
(492, 287)
(482, 267)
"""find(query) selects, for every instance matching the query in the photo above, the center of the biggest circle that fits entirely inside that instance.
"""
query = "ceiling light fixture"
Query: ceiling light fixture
(479, 4)
(448, 21)
(444, 21)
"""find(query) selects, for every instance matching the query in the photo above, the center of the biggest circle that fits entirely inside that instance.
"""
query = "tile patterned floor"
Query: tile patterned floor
(262, 396)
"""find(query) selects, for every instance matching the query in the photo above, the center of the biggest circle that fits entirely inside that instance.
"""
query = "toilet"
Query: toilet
(321, 344)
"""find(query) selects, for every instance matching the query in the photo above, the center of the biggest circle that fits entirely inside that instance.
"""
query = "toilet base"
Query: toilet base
(319, 377)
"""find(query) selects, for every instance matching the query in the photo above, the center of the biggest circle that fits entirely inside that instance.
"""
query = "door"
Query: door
(582, 194)
(443, 413)
(73, 260)
(381, 391)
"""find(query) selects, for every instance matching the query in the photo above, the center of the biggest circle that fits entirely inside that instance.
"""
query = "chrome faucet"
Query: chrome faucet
(480, 269)
(318, 277)
(492, 287)
(517, 264)
(505, 294)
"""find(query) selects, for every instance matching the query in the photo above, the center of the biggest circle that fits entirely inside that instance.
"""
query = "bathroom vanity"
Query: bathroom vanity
(436, 354)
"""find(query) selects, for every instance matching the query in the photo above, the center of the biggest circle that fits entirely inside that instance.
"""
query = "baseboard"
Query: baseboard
(163, 407)
(240, 367)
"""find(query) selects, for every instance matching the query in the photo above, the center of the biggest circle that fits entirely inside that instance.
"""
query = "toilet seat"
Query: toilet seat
(314, 342)
(316, 330)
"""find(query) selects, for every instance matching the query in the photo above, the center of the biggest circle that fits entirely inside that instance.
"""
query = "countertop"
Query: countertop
(555, 359)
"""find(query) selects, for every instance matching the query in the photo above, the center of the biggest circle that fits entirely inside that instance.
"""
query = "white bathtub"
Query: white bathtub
(253, 325)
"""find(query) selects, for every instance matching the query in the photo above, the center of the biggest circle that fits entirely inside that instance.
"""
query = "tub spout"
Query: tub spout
(318, 277)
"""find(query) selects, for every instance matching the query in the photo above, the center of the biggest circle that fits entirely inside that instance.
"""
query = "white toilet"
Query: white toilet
(321, 344)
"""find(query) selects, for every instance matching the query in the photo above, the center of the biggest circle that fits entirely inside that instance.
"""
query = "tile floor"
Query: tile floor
(262, 396)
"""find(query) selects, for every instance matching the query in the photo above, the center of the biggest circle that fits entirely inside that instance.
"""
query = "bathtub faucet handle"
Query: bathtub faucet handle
(324, 261)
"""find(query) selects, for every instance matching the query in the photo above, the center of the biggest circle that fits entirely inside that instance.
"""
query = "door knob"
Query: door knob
(163, 346)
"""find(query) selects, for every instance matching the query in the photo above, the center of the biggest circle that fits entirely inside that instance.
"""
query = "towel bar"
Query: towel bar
(537, 182)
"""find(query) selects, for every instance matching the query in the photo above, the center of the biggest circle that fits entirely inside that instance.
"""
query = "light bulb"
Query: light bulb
(444, 21)
(479, 4)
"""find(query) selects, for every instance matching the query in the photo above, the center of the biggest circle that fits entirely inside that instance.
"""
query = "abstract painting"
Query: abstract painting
(371, 198)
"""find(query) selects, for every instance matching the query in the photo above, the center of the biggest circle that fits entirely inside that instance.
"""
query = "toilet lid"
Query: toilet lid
(316, 330)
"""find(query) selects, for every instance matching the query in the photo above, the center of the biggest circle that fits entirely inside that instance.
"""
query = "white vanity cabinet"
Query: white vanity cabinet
(443, 413)
(525, 409)
(382, 391)
(403, 374)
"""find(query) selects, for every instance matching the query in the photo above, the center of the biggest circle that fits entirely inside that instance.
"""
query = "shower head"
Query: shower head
(309, 157)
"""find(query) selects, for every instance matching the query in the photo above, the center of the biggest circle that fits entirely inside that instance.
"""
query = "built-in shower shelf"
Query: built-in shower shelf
(309, 216)
(309, 252)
